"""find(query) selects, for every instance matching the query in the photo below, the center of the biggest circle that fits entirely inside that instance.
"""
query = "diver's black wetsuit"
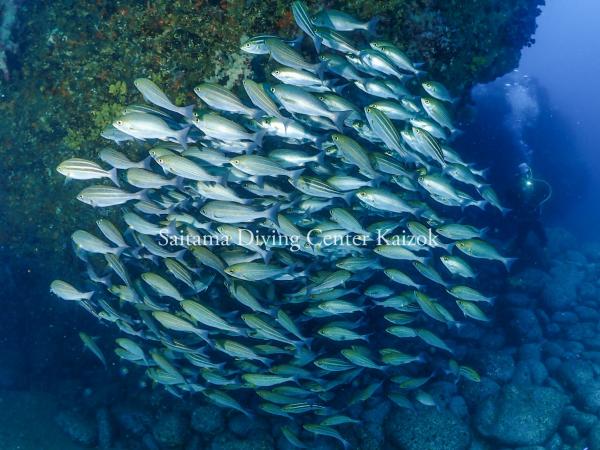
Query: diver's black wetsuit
(526, 199)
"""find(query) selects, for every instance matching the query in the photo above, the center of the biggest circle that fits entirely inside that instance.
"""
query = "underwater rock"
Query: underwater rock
(552, 364)
(80, 428)
(518, 299)
(171, 429)
(458, 406)
(560, 293)
(570, 434)
(243, 426)
(564, 317)
(588, 396)
(427, 428)
(132, 419)
(195, 443)
(575, 373)
(521, 415)
(525, 325)
(594, 437)
(208, 420)
(579, 419)
(530, 372)
(585, 313)
(529, 280)
(371, 435)
(552, 348)
(105, 429)
(225, 441)
(498, 365)
(530, 351)
(475, 393)
(442, 392)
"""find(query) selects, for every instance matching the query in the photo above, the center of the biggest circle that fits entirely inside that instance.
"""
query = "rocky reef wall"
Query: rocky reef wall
(78, 59)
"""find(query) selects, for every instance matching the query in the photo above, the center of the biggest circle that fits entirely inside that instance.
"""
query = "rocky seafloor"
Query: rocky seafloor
(539, 361)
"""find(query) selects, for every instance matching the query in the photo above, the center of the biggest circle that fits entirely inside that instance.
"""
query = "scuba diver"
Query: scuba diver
(526, 198)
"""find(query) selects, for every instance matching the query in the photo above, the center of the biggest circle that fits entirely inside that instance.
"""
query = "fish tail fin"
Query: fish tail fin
(188, 111)
(508, 262)
(482, 173)
(272, 212)
(321, 157)
(178, 183)
(114, 176)
(321, 67)
(481, 204)
(372, 26)
(259, 136)
(145, 163)
(348, 197)
(266, 255)
(179, 256)
(505, 211)
(223, 179)
(339, 119)
(266, 361)
(295, 174)
(340, 88)
(320, 141)
(172, 228)
(484, 231)
(182, 136)
(257, 113)
(317, 41)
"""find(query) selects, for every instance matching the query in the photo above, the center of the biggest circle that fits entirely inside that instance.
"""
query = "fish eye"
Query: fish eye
(235, 161)
(119, 122)
(336, 138)
(273, 90)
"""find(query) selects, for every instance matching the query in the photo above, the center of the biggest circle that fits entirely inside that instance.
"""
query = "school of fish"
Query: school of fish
(293, 248)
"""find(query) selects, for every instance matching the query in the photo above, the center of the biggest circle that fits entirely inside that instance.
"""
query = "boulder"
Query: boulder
(588, 396)
(226, 441)
(170, 429)
(497, 365)
(575, 373)
(426, 428)
(521, 415)
(208, 420)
